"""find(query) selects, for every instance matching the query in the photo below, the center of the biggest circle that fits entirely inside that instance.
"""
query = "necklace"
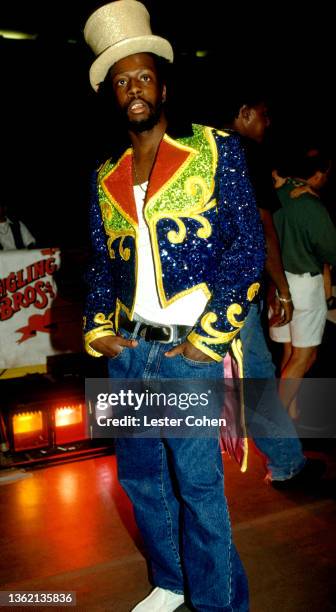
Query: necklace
(150, 173)
(137, 178)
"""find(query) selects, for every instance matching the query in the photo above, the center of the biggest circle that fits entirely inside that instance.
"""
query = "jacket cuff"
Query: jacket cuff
(198, 341)
(92, 335)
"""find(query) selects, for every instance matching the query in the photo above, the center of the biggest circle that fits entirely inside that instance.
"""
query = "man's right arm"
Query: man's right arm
(99, 333)
(100, 300)
(110, 346)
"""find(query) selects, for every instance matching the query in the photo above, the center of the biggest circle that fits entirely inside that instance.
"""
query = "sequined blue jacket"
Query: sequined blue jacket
(205, 233)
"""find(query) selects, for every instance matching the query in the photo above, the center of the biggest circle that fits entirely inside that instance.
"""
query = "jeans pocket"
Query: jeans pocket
(198, 364)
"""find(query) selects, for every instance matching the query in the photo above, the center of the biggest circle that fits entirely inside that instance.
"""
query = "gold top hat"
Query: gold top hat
(119, 29)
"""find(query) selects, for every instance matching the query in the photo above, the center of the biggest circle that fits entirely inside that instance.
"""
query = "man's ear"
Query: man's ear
(246, 113)
(164, 93)
(317, 178)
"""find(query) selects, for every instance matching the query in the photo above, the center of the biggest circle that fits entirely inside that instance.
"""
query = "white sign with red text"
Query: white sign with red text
(27, 292)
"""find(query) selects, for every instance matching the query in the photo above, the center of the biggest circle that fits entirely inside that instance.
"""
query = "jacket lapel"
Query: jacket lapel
(171, 158)
(118, 185)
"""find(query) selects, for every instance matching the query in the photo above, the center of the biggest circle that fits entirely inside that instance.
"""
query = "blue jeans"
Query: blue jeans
(270, 426)
(177, 490)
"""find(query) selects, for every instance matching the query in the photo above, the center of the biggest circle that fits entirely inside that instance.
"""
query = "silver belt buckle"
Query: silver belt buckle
(171, 336)
(142, 334)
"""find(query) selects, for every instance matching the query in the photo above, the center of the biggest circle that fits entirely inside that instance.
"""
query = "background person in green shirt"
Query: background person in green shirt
(308, 240)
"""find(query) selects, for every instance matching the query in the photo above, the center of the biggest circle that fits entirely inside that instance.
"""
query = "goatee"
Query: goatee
(146, 124)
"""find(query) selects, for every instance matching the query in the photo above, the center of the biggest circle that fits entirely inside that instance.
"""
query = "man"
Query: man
(178, 252)
(273, 431)
(308, 241)
(13, 234)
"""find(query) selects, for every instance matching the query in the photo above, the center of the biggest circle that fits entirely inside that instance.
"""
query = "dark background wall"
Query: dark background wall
(50, 124)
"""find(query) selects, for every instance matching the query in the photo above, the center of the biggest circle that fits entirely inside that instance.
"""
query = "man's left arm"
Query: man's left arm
(280, 299)
(235, 279)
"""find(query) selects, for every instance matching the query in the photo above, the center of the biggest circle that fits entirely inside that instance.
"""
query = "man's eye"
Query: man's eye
(145, 77)
(121, 82)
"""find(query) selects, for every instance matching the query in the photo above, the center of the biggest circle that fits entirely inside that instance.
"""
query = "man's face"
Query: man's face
(258, 122)
(138, 91)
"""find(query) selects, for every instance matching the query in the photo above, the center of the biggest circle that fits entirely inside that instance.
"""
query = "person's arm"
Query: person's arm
(268, 203)
(282, 304)
(99, 304)
(234, 281)
(327, 281)
(99, 334)
(27, 238)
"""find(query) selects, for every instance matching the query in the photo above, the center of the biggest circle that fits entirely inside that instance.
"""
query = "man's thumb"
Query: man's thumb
(128, 343)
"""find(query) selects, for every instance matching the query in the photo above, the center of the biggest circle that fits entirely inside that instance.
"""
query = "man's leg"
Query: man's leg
(301, 360)
(144, 475)
(268, 423)
(214, 574)
(287, 350)
(306, 331)
(215, 577)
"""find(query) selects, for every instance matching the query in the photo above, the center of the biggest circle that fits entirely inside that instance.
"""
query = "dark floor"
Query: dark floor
(70, 528)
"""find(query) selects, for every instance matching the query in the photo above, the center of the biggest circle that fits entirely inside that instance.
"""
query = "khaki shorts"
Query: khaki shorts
(310, 312)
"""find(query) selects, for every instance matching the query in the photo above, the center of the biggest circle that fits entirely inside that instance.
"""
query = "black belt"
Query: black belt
(155, 333)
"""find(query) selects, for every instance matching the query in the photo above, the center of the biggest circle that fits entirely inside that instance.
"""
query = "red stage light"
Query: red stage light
(70, 423)
(48, 424)
(68, 415)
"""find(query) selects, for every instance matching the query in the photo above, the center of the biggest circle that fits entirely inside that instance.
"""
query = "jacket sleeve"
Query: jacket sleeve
(235, 280)
(100, 299)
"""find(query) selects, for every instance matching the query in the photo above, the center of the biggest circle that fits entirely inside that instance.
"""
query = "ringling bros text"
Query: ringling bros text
(25, 287)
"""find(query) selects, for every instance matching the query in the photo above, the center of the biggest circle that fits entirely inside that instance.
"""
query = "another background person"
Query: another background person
(308, 241)
(246, 113)
(13, 233)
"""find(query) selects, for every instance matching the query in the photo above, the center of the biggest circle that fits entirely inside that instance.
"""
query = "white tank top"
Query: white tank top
(184, 311)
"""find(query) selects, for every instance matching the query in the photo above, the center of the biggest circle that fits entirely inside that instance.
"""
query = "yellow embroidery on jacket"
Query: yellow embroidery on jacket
(232, 311)
(252, 291)
(124, 252)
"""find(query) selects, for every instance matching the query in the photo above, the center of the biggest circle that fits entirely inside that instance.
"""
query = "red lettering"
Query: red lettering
(6, 310)
(51, 266)
(40, 292)
(17, 301)
(39, 268)
(36, 295)
(49, 289)
(3, 290)
(20, 280)
(11, 282)
(29, 274)
(29, 296)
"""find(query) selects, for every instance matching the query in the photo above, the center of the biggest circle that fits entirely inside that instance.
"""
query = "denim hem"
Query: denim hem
(291, 475)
